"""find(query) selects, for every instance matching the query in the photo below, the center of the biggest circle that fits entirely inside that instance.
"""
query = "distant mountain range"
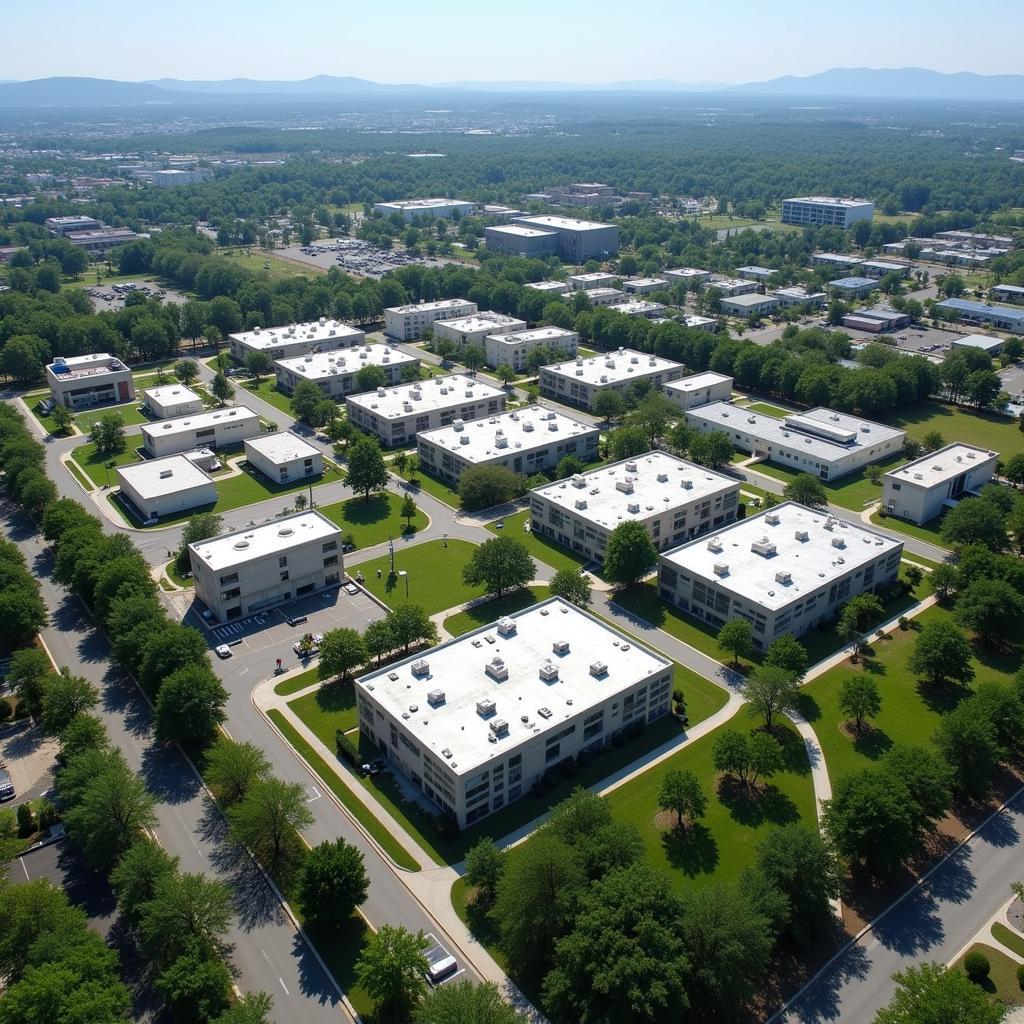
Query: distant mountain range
(860, 83)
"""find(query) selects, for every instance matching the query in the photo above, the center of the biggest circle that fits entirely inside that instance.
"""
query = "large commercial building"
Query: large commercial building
(594, 279)
(513, 349)
(981, 313)
(809, 210)
(415, 209)
(837, 260)
(823, 442)
(922, 489)
(335, 372)
(762, 275)
(65, 225)
(730, 287)
(876, 321)
(798, 296)
(784, 570)
(520, 240)
(172, 400)
(699, 389)
(407, 323)
(163, 487)
(879, 268)
(693, 278)
(261, 566)
(284, 457)
(606, 296)
(991, 346)
(673, 499)
(578, 240)
(856, 287)
(295, 340)
(552, 288)
(1007, 293)
(473, 329)
(396, 415)
(217, 428)
(579, 381)
(477, 722)
(526, 441)
(750, 306)
(644, 285)
(80, 382)
(638, 307)
(102, 239)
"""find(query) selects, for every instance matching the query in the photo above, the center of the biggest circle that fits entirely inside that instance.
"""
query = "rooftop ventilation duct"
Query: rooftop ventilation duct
(420, 668)
(721, 568)
(549, 672)
(497, 669)
(506, 626)
(598, 669)
(560, 647)
(435, 697)
(485, 707)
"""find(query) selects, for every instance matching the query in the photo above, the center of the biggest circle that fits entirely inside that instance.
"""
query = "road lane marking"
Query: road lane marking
(25, 869)
(316, 794)
(284, 986)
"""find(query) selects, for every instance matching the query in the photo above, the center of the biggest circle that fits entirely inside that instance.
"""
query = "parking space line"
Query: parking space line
(316, 794)
(284, 986)
(28, 878)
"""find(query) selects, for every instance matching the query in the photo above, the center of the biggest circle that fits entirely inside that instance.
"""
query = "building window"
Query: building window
(232, 577)
(284, 576)
(282, 561)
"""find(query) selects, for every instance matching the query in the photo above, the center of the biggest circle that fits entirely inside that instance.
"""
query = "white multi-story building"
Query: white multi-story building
(580, 380)
(217, 428)
(595, 279)
(762, 275)
(693, 278)
(578, 240)
(163, 487)
(879, 268)
(810, 210)
(335, 372)
(407, 323)
(551, 288)
(476, 722)
(986, 343)
(295, 339)
(784, 570)
(643, 285)
(729, 287)
(797, 296)
(749, 306)
(526, 441)
(638, 307)
(1002, 318)
(675, 501)
(473, 329)
(415, 209)
(172, 400)
(698, 323)
(519, 240)
(396, 415)
(699, 389)
(514, 349)
(605, 296)
(836, 260)
(856, 287)
(922, 489)
(823, 442)
(284, 457)
(262, 566)
(80, 382)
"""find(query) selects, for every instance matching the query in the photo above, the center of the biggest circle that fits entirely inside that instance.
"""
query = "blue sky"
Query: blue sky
(488, 40)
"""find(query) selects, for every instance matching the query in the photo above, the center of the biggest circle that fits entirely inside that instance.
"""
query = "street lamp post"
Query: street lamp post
(403, 572)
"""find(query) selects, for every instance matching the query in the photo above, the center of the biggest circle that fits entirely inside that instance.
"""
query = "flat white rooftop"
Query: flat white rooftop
(749, 299)
(604, 293)
(938, 467)
(424, 204)
(644, 282)
(754, 269)
(562, 223)
(430, 307)
(798, 293)
(72, 367)
(425, 396)
(320, 365)
(696, 381)
(730, 282)
(612, 367)
(200, 421)
(522, 232)
(522, 430)
(536, 335)
(548, 286)
(277, 537)
(839, 257)
(282, 447)
(824, 433)
(637, 307)
(153, 478)
(481, 321)
(453, 729)
(333, 332)
(810, 545)
(656, 482)
(853, 282)
(830, 200)
(885, 265)
(171, 394)
(691, 320)
(596, 275)
(686, 272)
(983, 341)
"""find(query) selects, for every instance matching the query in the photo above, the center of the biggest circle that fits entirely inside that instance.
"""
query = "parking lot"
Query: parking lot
(110, 295)
(437, 954)
(354, 256)
(28, 757)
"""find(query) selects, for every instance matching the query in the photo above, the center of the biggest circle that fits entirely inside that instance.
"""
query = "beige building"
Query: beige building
(172, 400)
(699, 389)
(923, 489)
(284, 457)
(164, 487)
(321, 335)
(474, 329)
(407, 323)
(580, 381)
(217, 428)
(82, 382)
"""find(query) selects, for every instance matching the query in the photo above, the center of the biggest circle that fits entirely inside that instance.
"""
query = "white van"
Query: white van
(440, 970)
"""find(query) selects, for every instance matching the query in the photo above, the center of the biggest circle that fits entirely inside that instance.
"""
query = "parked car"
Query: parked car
(441, 969)
(222, 651)
(6, 785)
(297, 620)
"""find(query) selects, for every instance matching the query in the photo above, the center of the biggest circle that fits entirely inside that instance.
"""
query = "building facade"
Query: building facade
(730, 287)
(82, 382)
(335, 373)
(218, 428)
(172, 400)
(284, 457)
(417, 209)
(295, 340)
(164, 487)
(407, 323)
(699, 389)
(922, 489)
(519, 240)
(580, 381)
(578, 240)
(514, 349)
(594, 279)
(1002, 318)
(749, 307)
(809, 210)
(474, 329)
(692, 277)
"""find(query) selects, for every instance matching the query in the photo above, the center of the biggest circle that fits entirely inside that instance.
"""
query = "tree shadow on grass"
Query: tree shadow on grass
(941, 697)
(366, 512)
(997, 657)
(336, 697)
(870, 741)
(755, 805)
(794, 750)
(807, 707)
(693, 850)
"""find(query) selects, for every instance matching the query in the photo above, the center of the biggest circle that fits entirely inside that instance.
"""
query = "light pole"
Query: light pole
(402, 572)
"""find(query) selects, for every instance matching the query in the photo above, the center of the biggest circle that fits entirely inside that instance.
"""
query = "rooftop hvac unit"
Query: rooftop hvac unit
(528, 427)
(552, 426)
(581, 504)
(686, 484)
(598, 669)
(626, 486)
(634, 359)
(783, 577)
(381, 392)
(500, 440)
(444, 391)
(630, 467)
(772, 518)
(506, 626)
(971, 455)
(549, 672)
(578, 481)
(663, 478)
(714, 545)
(458, 425)
(763, 547)
(610, 363)
(721, 568)
(435, 697)
(579, 372)
(165, 473)
(420, 668)
(838, 542)
(485, 707)
(544, 712)
(751, 419)
(497, 669)
(560, 647)
(633, 507)
(801, 535)
(464, 439)
(918, 476)
(499, 727)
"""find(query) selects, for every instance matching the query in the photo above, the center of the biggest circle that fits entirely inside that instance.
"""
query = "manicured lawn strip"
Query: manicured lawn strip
(267, 390)
(703, 697)
(340, 949)
(92, 463)
(931, 532)
(436, 488)
(176, 577)
(78, 474)
(296, 683)
(328, 709)
(491, 611)
(998, 433)
(768, 410)
(435, 576)
(722, 843)
(251, 486)
(927, 563)
(353, 805)
(910, 711)
(854, 491)
(1008, 937)
(130, 412)
(371, 521)
(1001, 984)
(541, 548)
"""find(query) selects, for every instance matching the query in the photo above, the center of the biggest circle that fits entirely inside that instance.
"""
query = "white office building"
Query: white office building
(259, 567)
(784, 570)
(761, 275)
(514, 349)
(526, 441)
(165, 487)
(519, 240)
(396, 415)
(643, 285)
(984, 314)
(692, 277)
(407, 323)
(926, 487)
(749, 307)
(473, 329)
(81, 382)
(639, 307)
(856, 287)
(699, 389)
(416, 209)
(595, 279)
(335, 372)
(1007, 293)
(986, 343)
(675, 501)
(216, 428)
(284, 457)
(728, 287)
(580, 380)
(837, 260)
(823, 442)
(606, 296)
(478, 721)
(172, 400)
(797, 296)
(295, 339)
(812, 210)
(879, 268)
(578, 240)
(698, 323)
(552, 288)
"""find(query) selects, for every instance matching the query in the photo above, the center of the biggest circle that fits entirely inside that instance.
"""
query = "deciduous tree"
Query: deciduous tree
(770, 692)
(367, 471)
(232, 767)
(267, 821)
(630, 554)
(942, 654)
(341, 650)
(681, 794)
(571, 585)
(190, 706)
(332, 882)
(499, 565)
(930, 993)
(736, 637)
(806, 489)
(392, 969)
(859, 698)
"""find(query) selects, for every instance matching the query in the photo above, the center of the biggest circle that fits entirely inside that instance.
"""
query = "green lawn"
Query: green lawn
(340, 948)
(491, 611)
(930, 531)
(372, 521)
(296, 683)
(80, 476)
(267, 390)
(176, 577)
(998, 433)
(130, 412)
(722, 844)
(541, 548)
(328, 709)
(436, 488)
(1008, 937)
(435, 575)
(1001, 984)
(854, 491)
(278, 270)
(768, 410)
(93, 464)
(910, 712)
